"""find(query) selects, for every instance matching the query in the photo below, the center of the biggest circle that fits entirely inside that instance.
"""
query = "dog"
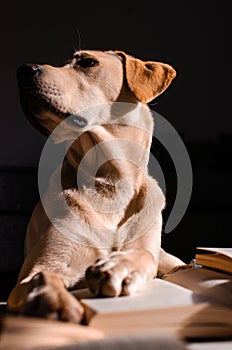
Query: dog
(105, 224)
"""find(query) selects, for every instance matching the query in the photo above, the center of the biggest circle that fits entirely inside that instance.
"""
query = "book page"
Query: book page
(215, 261)
(158, 294)
(216, 286)
(163, 308)
(225, 251)
(198, 320)
(31, 333)
(135, 342)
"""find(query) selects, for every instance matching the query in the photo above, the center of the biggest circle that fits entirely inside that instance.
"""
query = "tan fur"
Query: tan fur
(120, 213)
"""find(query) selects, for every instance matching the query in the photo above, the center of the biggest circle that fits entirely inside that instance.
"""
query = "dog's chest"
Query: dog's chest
(107, 209)
(94, 217)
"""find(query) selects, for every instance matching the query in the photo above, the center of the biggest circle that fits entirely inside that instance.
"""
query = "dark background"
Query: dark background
(191, 36)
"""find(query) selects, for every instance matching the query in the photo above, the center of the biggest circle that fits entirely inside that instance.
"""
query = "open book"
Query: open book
(216, 258)
(213, 283)
(163, 308)
(163, 316)
(215, 286)
(28, 333)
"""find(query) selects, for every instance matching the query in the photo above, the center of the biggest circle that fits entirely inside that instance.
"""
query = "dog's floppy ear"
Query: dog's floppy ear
(146, 79)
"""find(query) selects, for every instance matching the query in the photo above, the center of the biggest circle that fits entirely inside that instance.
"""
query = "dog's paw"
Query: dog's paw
(114, 276)
(48, 298)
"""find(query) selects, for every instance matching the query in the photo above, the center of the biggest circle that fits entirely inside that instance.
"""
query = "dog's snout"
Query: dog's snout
(29, 71)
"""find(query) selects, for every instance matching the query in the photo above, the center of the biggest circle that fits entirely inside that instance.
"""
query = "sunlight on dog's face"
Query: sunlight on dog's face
(83, 87)
(84, 93)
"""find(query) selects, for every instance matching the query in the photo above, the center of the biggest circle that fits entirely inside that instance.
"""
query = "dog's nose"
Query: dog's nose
(29, 71)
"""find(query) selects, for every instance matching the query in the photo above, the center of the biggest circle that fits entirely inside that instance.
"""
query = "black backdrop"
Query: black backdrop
(191, 36)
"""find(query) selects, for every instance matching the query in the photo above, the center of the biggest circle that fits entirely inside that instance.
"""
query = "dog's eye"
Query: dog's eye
(87, 62)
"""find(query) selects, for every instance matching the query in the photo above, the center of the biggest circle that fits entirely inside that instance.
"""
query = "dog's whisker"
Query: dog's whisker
(79, 40)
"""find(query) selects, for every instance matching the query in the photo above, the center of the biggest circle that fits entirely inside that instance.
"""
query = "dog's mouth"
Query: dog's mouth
(41, 102)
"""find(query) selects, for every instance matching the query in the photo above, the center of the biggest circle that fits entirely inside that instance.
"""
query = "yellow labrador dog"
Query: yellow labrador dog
(106, 225)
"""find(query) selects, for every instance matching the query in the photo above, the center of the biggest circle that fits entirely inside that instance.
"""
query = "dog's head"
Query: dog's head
(88, 80)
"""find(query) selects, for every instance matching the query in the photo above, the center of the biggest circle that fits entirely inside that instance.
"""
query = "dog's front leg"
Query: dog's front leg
(169, 263)
(128, 270)
(52, 266)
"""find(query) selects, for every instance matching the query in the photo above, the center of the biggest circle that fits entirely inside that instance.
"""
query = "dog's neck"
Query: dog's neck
(110, 153)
